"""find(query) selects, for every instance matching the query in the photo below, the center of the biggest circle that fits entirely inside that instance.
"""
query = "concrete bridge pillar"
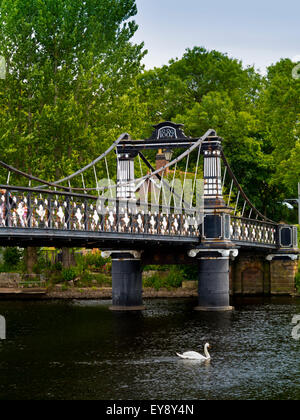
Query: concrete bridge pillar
(126, 281)
(213, 279)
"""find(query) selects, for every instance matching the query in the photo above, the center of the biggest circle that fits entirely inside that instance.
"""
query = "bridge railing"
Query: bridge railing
(253, 231)
(247, 232)
(26, 208)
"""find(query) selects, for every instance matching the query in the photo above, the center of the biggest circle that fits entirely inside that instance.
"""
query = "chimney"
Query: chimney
(161, 161)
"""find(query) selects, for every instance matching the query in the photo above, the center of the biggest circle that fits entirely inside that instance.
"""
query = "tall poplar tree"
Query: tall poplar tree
(69, 64)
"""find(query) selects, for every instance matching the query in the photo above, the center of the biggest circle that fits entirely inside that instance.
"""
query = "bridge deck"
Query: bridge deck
(104, 240)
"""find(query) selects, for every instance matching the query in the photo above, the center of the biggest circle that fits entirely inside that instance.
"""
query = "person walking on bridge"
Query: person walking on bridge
(2, 207)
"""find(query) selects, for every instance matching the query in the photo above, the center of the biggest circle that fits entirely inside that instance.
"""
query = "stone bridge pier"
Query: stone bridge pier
(213, 278)
(259, 273)
(127, 286)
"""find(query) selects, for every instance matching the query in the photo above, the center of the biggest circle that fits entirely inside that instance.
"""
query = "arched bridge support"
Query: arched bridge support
(264, 274)
(213, 278)
(126, 281)
(283, 269)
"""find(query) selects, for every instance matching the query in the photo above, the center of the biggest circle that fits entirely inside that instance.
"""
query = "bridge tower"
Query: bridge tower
(126, 264)
(216, 249)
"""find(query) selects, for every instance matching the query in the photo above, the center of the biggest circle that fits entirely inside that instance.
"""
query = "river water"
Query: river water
(81, 350)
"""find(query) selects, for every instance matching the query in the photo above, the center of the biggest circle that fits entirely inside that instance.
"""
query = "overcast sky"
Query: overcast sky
(259, 32)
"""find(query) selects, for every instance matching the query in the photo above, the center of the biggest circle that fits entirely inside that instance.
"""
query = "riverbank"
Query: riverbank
(89, 293)
(106, 293)
(92, 293)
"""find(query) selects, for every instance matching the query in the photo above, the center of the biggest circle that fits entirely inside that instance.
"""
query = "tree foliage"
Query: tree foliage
(70, 64)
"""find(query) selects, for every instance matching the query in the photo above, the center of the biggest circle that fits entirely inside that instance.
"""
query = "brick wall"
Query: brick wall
(254, 275)
(283, 274)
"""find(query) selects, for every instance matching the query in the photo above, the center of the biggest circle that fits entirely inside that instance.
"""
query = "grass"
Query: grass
(172, 280)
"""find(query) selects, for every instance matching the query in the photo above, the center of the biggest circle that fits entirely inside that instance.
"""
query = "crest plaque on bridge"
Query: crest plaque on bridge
(168, 130)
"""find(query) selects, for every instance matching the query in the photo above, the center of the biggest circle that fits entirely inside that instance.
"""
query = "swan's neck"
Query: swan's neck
(207, 355)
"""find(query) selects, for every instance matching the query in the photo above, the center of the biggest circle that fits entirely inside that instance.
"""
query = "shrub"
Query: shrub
(189, 272)
(297, 281)
(42, 264)
(174, 278)
(54, 278)
(149, 281)
(107, 268)
(85, 279)
(96, 260)
(102, 279)
(171, 281)
(81, 264)
(58, 266)
(68, 274)
(12, 257)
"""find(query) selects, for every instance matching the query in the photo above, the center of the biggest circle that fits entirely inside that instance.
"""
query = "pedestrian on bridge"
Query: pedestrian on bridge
(2, 207)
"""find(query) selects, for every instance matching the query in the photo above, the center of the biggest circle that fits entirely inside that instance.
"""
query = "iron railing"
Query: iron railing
(27, 208)
(253, 231)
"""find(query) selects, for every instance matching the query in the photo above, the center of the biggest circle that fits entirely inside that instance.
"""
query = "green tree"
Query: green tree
(242, 143)
(174, 89)
(279, 115)
(69, 64)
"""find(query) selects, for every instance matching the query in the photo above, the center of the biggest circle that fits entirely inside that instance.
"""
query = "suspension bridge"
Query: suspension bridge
(166, 199)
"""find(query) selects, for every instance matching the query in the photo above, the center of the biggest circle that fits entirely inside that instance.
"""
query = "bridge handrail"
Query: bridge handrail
(117, 201)
(249, 220)
(254, 231)
(27, 208)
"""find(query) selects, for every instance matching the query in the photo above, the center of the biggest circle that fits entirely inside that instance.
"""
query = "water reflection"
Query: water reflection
(192, 363)
(81, 350)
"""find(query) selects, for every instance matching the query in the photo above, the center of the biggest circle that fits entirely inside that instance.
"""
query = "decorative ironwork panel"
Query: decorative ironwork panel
(31, 209)
(253, 231)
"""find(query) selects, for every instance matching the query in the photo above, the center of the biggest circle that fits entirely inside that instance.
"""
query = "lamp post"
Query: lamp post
(168, 155)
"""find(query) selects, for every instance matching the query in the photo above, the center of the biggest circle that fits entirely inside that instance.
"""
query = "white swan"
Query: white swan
(193, 355)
